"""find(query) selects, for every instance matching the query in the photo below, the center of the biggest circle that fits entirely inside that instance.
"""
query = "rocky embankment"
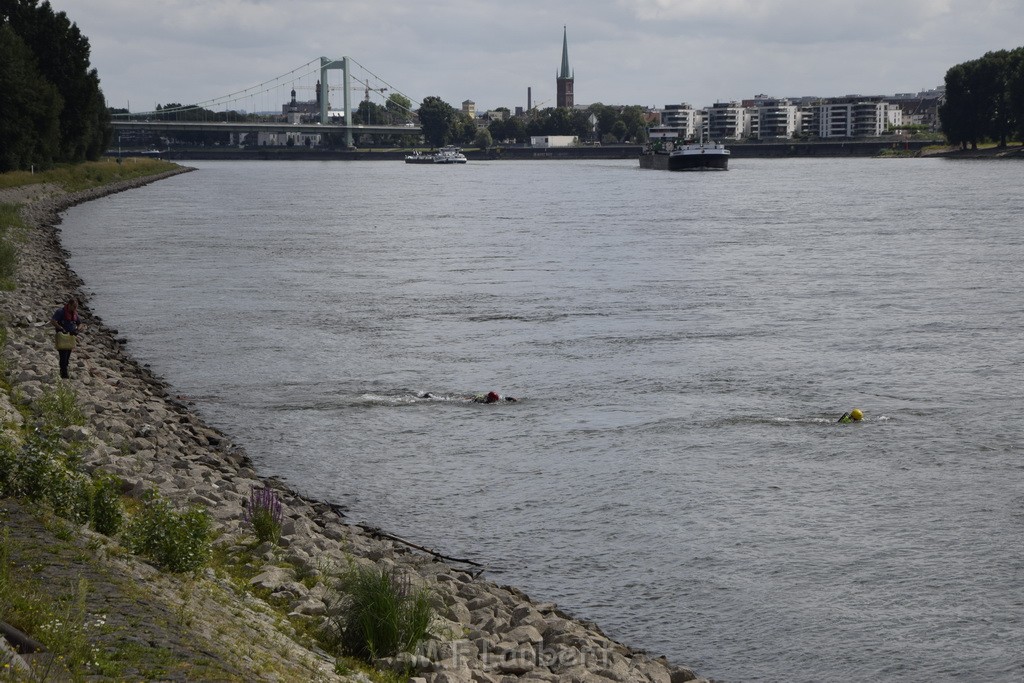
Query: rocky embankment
(139, 431)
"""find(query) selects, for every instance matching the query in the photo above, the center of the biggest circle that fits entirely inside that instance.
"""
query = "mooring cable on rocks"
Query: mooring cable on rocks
(21, 642)
(374, 531)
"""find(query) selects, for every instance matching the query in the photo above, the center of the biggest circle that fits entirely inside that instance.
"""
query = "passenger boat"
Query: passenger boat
(449, 155)
(418, 157)
(445, 155)
(669, 155)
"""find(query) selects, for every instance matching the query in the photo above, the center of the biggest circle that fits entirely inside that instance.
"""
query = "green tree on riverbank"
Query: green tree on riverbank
(438, 119)
(985, 99)
(51, 107)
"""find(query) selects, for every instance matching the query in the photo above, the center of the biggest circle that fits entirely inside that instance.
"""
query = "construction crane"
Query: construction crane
(536, 107)
(380, 90)
(367, 90)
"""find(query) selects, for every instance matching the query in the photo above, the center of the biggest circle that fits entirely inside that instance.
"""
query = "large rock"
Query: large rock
(272, 578)
(524, 634)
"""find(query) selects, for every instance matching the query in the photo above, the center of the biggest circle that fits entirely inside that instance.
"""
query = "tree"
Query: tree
(580, 120)
(464, 130)
(619, 131)
(515, 129)
(369, 113)
(552, 121)
(61, 55)
(991, 88)
(483, 139)
(606, 117)
(437, 118)
(512, 128)
(636, 125)
(29, 124)
(1015, 89)
(958, 117)
(399, 107)
(497, 128)
(984, 99)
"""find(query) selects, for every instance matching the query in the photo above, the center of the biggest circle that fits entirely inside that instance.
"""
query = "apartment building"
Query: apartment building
(769, 118)
(856, 117)
(725, 121)
(683, 119)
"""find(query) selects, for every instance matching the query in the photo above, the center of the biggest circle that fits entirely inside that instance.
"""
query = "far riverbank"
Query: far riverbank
(740, 150)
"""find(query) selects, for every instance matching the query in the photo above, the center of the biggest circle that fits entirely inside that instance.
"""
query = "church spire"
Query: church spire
(565, 55)
(564, 79)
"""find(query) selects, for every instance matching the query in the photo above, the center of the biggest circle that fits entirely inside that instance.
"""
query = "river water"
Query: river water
(681, 345)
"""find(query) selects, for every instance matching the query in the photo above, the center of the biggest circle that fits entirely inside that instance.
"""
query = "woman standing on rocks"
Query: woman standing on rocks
(66, 321)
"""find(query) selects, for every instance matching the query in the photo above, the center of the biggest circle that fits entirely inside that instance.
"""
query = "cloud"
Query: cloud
(791, 22)
(623, 51)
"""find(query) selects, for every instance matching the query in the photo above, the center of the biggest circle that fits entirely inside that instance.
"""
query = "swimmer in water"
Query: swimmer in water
(489, 397)
(492, 397)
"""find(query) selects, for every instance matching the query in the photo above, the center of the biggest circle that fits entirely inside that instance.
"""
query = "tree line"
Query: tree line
(443, 124)
(51, 107)
(985, 100)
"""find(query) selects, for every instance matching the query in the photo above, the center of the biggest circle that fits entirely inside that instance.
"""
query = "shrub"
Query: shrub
(33, 471)
(107, 510)
(383, 615)
(8, 260)
(264, 514)
(69, 494)
(38, 472)
(10, 220)
(58, 408)
(177, 541)
(42, 467)
(8, 465)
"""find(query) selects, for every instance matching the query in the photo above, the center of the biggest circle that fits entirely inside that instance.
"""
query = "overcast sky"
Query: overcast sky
(648, 52)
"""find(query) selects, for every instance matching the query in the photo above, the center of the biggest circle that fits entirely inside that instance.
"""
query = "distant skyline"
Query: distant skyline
(647, 52)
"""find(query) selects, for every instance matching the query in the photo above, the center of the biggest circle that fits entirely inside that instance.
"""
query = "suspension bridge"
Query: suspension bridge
(239, 112)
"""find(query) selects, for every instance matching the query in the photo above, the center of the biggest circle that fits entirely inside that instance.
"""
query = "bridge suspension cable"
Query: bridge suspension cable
(308, 69)
(239, 95)
(390, 87)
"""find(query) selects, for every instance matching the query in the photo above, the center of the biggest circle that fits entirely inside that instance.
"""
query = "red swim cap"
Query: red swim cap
(492, 397)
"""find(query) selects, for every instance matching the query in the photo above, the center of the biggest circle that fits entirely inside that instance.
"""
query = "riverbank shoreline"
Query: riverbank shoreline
(739, 150)
(140, 431)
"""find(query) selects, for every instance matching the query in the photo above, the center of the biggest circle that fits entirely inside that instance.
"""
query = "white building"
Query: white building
(725, 121)
(553, 140)
(280, 139)
(682, 118)
(772, 119)
(856, 117)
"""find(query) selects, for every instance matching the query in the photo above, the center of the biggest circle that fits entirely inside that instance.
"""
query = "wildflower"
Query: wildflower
(265, 514)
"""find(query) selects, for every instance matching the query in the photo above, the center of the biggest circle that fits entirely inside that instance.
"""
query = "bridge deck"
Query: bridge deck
(216, 126)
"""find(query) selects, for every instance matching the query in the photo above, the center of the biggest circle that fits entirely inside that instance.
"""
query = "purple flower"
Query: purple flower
(264, 513)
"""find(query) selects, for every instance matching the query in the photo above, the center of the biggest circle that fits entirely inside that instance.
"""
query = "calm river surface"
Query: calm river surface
(681, 345)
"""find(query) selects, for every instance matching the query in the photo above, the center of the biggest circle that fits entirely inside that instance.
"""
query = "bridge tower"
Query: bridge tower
(326, 65)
